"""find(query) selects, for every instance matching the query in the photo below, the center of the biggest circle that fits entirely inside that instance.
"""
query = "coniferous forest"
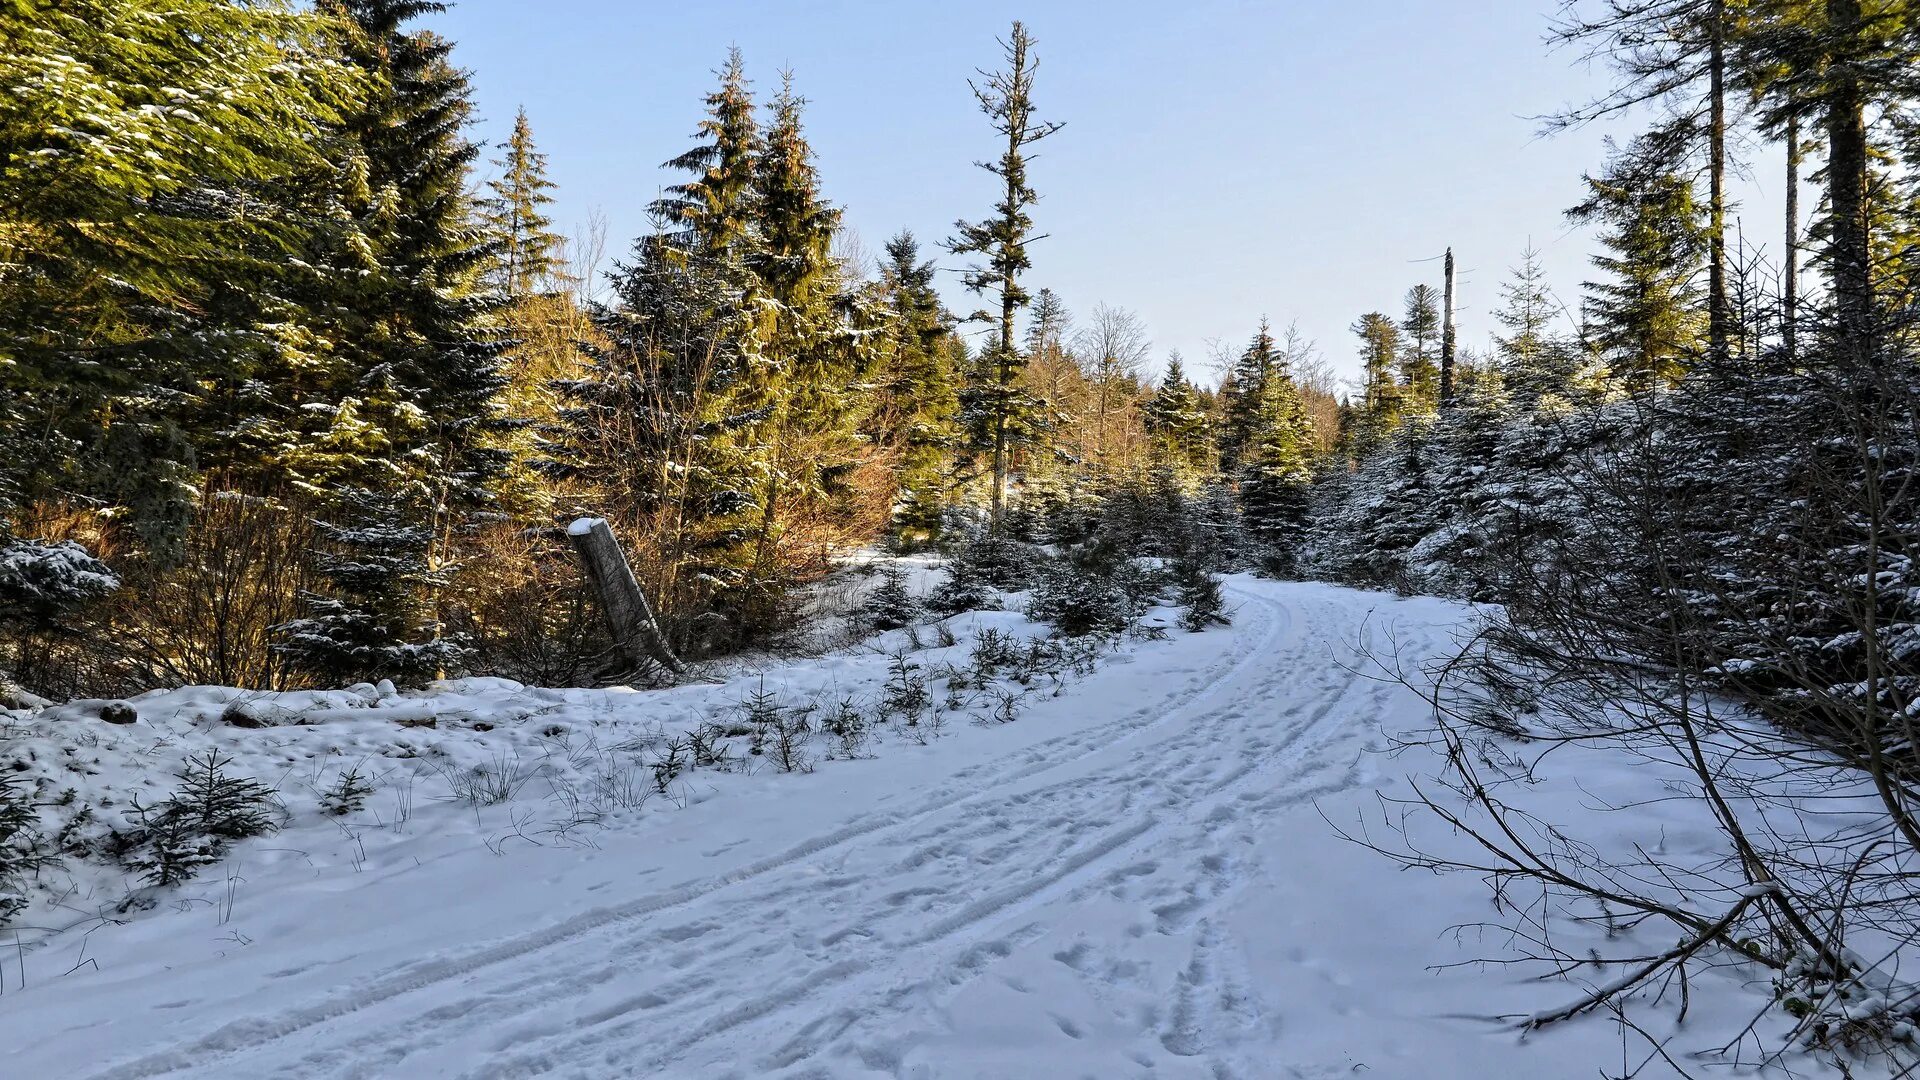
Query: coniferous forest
(301, 387)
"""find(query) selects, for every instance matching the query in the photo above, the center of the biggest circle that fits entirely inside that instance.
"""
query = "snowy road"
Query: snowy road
(1153, 893)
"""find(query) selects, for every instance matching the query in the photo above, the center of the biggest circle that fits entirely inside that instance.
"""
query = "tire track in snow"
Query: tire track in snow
(603, 1046)
(254, 1033)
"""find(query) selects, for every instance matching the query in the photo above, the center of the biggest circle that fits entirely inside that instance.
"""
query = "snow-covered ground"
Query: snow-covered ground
(1140, 876)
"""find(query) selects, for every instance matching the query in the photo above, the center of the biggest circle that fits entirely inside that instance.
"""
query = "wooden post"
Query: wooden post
(1446, 339)
(629, 617)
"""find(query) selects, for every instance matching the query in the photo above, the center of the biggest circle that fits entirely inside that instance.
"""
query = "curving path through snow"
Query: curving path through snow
(1098, 903)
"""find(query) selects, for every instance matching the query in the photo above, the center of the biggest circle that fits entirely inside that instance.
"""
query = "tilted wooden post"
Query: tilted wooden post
(629, 617)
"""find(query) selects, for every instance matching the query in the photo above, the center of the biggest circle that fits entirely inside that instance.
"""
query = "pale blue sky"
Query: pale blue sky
(1222, 159)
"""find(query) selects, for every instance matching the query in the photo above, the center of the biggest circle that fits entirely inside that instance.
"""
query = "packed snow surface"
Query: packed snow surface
(1140, 877)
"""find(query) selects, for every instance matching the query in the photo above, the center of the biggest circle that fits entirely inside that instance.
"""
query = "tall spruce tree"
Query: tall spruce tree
(419, 366)
(1241, 393)
(1420, 366)
(1049, 369)
(1276, 479)
(670, 426)
(1682, 54)
(1845, 65)
(1535, 366)
(147, 150)
(1177, 422)
(1383, 403)
(529, 251)
(918, 391)
(814, 357)
(1644, 317)
(714, 208)
(1000, 409)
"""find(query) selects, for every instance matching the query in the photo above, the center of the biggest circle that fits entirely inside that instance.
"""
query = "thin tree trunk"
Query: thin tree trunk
(1446, 339)
(1847, 185)
(1717, 199)
(1003, 378)
(1790, 290)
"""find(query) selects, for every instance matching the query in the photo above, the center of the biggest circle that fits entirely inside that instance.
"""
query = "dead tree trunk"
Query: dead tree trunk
(629, 617)
(1446, 340)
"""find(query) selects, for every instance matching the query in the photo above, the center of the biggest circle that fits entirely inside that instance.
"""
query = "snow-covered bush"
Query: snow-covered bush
(41, 585)
(1078, 600)
(981, 565)
(1197, 591)
(40, 582)
(890, 605)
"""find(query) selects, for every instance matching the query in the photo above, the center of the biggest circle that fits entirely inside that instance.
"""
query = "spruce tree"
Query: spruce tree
(1384, 404)
(813, 350)
(997, 404)
(714, 208)
(1684, 55)
(1177, 421)
(1535, 366)
(1061, 398)
(529, 252)
(1241, 393)
(1645, 316)
(1846, 66)
(1420, 366)
(146, 151)
(1277, 477)
(663, 427)
(418, 365)
(918, 392)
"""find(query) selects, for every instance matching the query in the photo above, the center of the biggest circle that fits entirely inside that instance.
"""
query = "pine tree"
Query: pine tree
(529, 253)
(999, 406)
(1645, 317)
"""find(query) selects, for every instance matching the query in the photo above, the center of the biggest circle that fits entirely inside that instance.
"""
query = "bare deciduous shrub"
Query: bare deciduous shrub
(525, 607)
